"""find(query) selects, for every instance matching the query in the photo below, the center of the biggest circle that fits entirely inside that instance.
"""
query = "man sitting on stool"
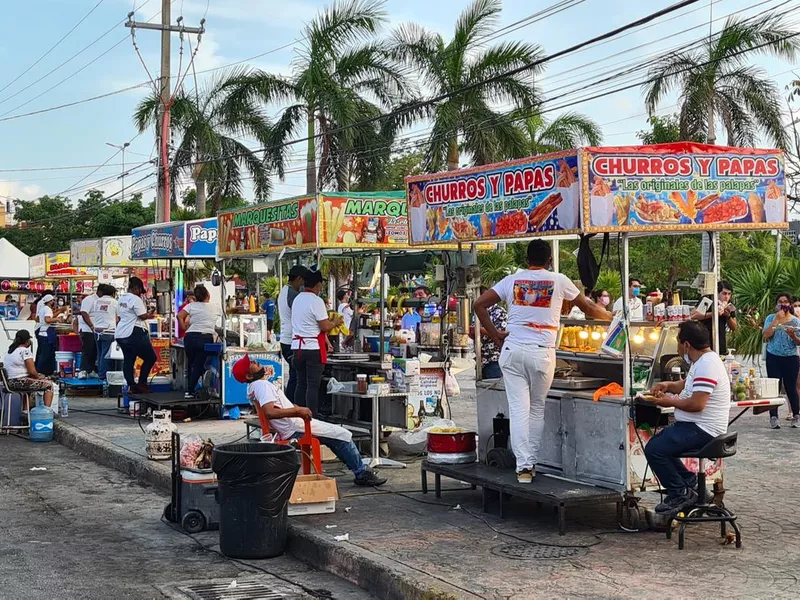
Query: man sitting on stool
(287, 420)
(702, 404)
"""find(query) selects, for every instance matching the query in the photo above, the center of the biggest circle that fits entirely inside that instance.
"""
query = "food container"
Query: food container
(451, 440)
(361, 384)
(374, 346)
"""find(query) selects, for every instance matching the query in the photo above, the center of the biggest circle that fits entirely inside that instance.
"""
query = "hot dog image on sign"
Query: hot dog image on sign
(533, 195)
(716, 190)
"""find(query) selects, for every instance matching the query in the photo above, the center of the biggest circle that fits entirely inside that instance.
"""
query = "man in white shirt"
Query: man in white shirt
(528, 355)
(104, 319)
(702, 404)
(88, 342)
(635, 306)
(286, 420)
(310, 327)
(285, 300)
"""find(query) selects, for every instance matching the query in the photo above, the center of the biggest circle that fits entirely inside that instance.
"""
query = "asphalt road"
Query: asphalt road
(78, 530)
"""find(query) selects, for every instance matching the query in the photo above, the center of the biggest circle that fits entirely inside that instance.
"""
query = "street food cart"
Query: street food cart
(642, 190)
(314, 228)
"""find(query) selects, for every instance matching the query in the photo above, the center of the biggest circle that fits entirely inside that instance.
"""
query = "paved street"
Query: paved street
(82, 531)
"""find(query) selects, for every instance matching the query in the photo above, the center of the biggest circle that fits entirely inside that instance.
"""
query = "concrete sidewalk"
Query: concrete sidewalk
(406, 545)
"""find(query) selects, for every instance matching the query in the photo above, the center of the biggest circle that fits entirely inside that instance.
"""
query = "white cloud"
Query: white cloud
(19, 190)
(282, 14)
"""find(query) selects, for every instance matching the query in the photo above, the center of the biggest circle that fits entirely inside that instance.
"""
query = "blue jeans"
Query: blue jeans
(291, 382)
(662, 453)
(194, 344)
(491, 370)
(137, 345)
(344, 451)
(104, 341)
(786, 369)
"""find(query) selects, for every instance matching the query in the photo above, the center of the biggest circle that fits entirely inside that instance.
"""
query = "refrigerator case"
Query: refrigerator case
(235, 393)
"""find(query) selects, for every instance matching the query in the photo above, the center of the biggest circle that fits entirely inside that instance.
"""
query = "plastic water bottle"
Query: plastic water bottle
(63, 405)
(41, 420)
(105, 389)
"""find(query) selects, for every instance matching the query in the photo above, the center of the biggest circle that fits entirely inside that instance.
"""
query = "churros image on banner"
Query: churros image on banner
(602, 203)
(567, 186)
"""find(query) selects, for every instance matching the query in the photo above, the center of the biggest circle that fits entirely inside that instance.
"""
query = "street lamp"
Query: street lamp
(122, 149)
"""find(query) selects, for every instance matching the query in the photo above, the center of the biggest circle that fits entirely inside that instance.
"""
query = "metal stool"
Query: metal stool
(721, 446)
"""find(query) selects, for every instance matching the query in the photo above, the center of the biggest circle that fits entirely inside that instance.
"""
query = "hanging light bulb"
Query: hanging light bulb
(595, 334)
(654, 333)
(584, 335)
(638, 338)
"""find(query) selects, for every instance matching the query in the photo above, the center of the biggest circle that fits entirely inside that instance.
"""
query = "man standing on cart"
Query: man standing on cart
(528, 356)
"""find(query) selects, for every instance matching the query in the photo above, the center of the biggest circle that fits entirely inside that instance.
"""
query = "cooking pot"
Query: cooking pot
(446, 442)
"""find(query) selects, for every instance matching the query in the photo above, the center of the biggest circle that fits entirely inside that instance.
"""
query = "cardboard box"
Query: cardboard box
(407, 366)
(313, 495)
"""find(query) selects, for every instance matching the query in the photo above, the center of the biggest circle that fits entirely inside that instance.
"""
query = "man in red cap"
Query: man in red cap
(286, 420)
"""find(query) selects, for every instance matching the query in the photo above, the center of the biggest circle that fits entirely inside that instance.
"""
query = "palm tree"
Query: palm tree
(341, 79)
(468, 121)
(210, 125)
(496, 264)
(567, 131)
(716, 86)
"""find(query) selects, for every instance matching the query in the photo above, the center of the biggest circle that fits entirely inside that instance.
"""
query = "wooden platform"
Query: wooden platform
(496, 483)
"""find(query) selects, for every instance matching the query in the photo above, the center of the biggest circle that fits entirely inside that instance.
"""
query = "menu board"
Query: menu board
(363, 220)
(538, 195)
(683, 187)
(268, 227)
(85, 253)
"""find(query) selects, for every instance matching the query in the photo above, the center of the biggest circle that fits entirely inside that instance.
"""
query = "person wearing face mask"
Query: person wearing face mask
(528, 356)
(635, 306)
(781, 336)
(47, 315)
(287, 420)
(702, 404)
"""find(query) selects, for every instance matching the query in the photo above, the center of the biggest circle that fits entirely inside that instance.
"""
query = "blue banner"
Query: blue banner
(162, 240)
(201, 238)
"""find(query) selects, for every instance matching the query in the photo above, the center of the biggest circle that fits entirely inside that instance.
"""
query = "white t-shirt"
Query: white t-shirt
(285, 313)
(635, 308)
(202, 317)
(42, 312)
(347, 313)
(131, 308)
(265, 392)
(15, 362)
(104, 313)
(708, 375)
(534, 298)
(87, 304)
(307, 310)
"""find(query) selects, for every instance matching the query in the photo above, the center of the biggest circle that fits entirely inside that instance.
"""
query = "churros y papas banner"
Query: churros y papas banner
(683, 186)
(539, 195)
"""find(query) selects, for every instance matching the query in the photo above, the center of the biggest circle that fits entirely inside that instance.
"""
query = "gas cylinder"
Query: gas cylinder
(158, 435)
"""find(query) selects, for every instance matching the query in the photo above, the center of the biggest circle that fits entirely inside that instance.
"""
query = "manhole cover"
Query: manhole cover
(244, 590)
(525, 551)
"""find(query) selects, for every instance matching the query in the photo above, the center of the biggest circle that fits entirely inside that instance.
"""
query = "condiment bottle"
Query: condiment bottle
(361, 384)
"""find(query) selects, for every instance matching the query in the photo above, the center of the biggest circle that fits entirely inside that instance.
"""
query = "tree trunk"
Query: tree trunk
(711, 138)
(711, 135)
(452, 154)
(200, 189)
(311, 157)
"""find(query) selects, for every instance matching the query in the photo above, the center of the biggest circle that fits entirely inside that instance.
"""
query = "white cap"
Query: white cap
(47, 298)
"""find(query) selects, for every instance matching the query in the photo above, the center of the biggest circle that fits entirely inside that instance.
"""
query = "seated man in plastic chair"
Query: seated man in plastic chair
(287, 420)
(702, 405)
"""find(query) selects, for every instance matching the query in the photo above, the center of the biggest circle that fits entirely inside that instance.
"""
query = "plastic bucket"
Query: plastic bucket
(65, 362)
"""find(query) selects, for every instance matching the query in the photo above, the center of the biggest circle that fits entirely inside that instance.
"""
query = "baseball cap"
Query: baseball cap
(47, 298)
(298, 271)
(240, 369)
(312, 278)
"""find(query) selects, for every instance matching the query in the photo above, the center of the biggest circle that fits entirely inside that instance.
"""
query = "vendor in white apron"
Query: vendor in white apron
(287, 420)
(528, 355)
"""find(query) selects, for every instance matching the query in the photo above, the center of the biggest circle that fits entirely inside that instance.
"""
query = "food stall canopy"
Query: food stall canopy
(326, 221)
(659, 188)
(159, 241)
(15, 261)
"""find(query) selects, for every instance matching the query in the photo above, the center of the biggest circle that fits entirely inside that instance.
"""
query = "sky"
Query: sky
(34, 149)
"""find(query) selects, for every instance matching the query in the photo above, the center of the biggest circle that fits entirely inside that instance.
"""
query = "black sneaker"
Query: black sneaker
(678, 503)
(369, 478)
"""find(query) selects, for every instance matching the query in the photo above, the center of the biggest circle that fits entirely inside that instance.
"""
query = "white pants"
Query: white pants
(527, 375)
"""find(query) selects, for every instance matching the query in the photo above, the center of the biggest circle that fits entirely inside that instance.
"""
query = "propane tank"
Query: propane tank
(158, 435)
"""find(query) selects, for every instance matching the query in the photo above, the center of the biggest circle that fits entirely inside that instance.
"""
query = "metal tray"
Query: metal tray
(578, 383)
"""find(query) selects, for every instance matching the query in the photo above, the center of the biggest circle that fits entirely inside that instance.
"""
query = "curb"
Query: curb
(381, 577)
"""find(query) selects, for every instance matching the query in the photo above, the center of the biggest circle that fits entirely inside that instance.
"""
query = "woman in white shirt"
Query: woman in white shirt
(199, 321)
(133, 337)
(20, 370)
(46, 335)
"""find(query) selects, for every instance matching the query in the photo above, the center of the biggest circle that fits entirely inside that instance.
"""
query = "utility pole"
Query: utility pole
(121, 149)
(162, 135)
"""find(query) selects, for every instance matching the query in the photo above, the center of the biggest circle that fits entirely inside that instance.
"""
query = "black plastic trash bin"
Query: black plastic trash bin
(255, 482)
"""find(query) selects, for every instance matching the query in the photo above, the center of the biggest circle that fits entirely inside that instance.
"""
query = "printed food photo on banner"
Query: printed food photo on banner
(533, 195)
(268, 226)
(378, 221)
(705, 189)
